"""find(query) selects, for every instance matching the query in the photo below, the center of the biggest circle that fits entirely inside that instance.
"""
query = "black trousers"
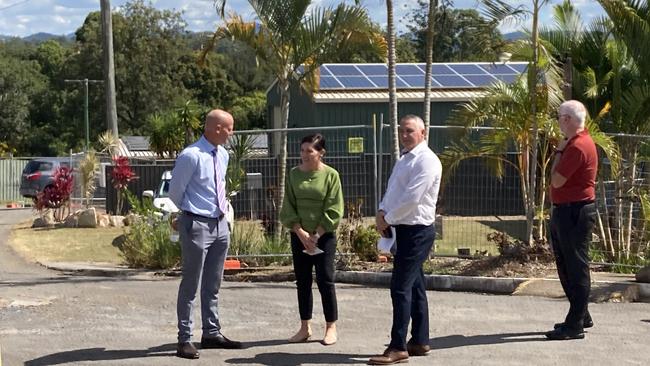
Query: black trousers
(303, 266)
(407, 287)
(571, 227)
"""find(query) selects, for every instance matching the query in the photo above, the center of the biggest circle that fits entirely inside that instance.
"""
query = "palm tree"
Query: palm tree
(429, 65)
(293, 42)
(392, 83)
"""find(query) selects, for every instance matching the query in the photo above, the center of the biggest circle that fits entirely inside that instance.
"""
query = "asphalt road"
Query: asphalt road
(49, 318)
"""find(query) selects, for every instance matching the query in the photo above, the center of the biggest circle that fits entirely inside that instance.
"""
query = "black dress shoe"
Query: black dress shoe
(187, 350)
(587, 322)
(564, 333)
(219, 341)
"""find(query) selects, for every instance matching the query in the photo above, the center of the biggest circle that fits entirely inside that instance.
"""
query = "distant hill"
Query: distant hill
(514, 36)
(42, 37)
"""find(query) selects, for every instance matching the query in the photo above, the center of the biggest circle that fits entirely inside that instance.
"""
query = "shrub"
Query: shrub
(147, 244)
(510, 248)
(248, 238)
(56, 196)
(364, 242)
(122, 174)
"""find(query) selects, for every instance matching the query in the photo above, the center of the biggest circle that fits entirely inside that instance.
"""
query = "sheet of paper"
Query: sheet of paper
(313, 252)
(384, 245)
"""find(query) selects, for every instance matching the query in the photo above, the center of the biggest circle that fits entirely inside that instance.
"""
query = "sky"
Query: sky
(25, 17)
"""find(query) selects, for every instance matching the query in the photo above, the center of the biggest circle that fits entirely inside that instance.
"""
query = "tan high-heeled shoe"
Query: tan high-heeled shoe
(330, 337)
(300, 337)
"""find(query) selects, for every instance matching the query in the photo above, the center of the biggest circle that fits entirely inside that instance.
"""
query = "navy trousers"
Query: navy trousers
(571, 227)
(407, 287)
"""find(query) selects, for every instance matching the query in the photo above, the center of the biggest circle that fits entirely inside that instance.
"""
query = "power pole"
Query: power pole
(85, 82)
(109, 67)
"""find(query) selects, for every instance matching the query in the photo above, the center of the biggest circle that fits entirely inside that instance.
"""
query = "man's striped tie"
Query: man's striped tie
(219, 184)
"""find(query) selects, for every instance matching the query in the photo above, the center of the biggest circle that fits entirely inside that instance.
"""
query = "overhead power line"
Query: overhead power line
(14, 4)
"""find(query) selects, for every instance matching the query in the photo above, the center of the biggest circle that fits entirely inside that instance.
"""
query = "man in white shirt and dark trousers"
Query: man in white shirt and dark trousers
(409, 205)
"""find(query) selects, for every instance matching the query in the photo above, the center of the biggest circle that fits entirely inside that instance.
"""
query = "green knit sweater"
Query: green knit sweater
(312, 199)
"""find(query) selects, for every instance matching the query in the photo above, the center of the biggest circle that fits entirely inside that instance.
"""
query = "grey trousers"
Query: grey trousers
(204, 245)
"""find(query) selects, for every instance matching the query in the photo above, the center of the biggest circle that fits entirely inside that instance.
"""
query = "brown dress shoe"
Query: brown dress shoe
(390, 357)
(418, 349)
(187, 350)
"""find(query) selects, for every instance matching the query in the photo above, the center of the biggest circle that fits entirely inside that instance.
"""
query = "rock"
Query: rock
(116, 221)
(49, 218)
(39, 222)
(643, 275)
(71, 221)
(46, 220)
(88, 218)
(103, 220)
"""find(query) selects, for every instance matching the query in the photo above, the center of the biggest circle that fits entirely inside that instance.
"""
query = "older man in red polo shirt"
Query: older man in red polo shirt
(573, 180)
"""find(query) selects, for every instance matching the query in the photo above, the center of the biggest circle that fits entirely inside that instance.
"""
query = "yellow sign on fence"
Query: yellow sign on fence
(355, 145)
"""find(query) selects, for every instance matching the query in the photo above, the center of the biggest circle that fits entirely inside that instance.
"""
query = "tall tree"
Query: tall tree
(458, 34)
(292, 38)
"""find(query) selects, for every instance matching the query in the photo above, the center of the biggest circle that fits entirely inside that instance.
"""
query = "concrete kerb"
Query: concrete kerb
(492, 285)
(620, 291)
(95, 270)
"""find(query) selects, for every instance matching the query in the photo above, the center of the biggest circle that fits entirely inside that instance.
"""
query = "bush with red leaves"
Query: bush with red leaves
(58, 193)
(122, 173)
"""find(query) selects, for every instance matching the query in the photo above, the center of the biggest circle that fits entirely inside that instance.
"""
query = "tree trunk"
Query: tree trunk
(532, 87)
(427, 75)
(109, 67)
(285, 98)
(392, 86)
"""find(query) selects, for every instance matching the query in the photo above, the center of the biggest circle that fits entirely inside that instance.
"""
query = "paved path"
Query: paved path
(47, 318)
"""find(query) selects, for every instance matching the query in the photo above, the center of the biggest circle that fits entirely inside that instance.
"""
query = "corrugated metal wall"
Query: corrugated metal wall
(10, 172)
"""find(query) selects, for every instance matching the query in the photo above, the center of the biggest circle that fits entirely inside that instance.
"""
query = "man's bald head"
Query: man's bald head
(218, 126)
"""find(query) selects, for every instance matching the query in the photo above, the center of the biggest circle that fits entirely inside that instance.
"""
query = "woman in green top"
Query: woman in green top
(312, 209)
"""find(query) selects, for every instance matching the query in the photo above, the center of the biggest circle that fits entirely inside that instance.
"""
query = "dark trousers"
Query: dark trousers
(571, 227)
(303, 266)
(407, 287)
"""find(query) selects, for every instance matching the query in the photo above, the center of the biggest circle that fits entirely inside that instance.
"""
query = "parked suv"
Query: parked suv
(38, 174)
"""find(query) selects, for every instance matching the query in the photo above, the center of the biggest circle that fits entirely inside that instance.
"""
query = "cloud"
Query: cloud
(65, 16)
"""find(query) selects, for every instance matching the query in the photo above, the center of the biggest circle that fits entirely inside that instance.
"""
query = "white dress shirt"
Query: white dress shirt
(412, 191)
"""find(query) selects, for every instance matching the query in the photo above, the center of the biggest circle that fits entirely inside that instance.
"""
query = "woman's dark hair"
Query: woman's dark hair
(317, 140)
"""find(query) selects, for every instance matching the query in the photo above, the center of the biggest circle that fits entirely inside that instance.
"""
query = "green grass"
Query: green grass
(471, 232)
(66, 244)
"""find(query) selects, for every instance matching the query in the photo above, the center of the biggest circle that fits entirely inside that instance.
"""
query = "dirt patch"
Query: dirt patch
(488, 266)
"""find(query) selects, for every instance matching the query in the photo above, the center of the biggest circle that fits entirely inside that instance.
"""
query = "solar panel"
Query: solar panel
(480, 80)
(467, 69)
(343, 70)
(451, 81)
(374, 70)
(519, 68)
(440, 70)
(508, 79)
(411, 76)
(328, 82)
(382, 82)
(408, 70)
(357, 82)
(497, 69)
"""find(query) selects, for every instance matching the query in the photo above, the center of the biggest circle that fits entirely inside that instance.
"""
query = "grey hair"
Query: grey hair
(417, 120)
(576, 110)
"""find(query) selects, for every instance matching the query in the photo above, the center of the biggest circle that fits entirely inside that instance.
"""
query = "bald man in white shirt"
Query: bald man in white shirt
(409, 205)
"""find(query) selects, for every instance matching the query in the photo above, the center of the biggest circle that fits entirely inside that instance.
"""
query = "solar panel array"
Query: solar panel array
(411, 76)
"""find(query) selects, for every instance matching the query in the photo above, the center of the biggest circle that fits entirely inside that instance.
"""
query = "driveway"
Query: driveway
(49, 318)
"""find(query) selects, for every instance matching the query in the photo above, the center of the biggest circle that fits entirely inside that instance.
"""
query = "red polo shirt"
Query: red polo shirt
(579, 165)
